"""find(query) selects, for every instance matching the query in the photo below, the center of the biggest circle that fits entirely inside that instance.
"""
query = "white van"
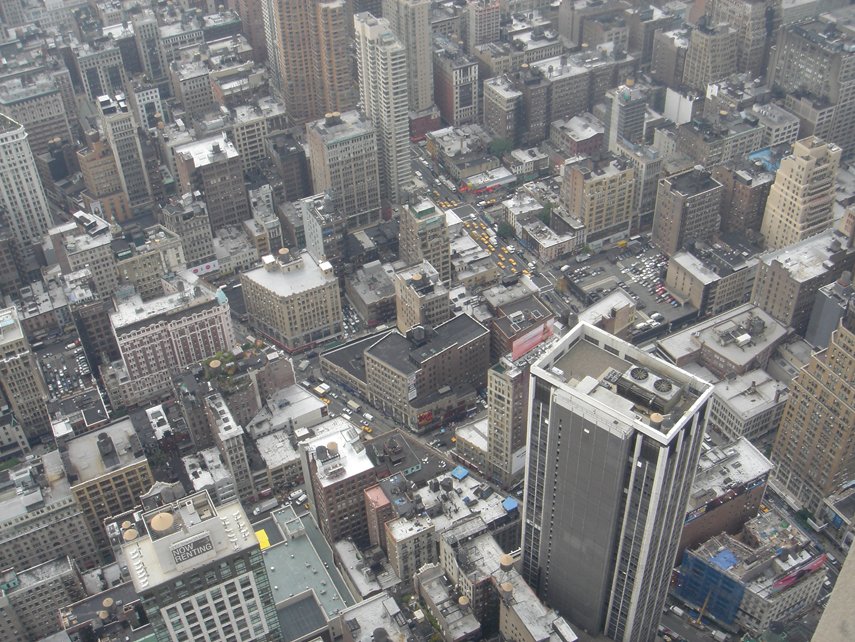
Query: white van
(368, 417)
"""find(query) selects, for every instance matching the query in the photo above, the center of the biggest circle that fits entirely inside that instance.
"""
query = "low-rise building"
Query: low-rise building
(581, 135)
(712, 279)
(839, 515)
(748, 405)
(371, 291)
(769, 576)
(453, 616)
(727, 490)
(734, 342)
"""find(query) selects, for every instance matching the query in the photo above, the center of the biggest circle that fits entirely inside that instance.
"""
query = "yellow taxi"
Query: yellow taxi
(501, 265)
(366, 429)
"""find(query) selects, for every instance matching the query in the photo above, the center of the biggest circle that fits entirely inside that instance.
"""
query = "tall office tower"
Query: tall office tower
(38, 106)
(813, 63)
(200, 574)
(102, 180)
(481, 19)
(801, 200)
(410, 21)
(22, 197)
(333, 59)
(20, 377)
(423, 236)
(746, 189)
(147, 35)
(343, 155)
(755, 22)
(213, 167)
(455, 83)
(101, 68)
(627, 107)
(188, 218)
(711, 55)
(814, 450)
(251, 14)
(601, 194)
(383, 91)
(120, 132)
(687, 210)
(310, 41)
(421, 298)
(614, 440)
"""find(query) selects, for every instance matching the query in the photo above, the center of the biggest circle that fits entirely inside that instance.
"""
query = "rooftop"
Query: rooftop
(184, 535)
(341, 127)
(581, 127)
(339, 455)
(381, 611)
(620, 385)
(208, 150)
(739, 335)
(751, 393)
(190, 292)
(693, 182)
(103, 451)
(807, 259)
(284, 279)
(300, 560)
(724, 468)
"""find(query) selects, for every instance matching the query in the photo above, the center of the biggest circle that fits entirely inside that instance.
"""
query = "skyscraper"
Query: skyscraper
(614, 439)
(711, 55)
(627, 107)
(312, 67)
(383, 92)
(343, 155)
(801, 199)
(687, 210)
(814, 450)
(200, 574)
(22, 196)
(410, 20)
(120, 130)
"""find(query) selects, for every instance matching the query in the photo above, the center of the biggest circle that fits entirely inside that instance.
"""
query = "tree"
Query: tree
(505, 230)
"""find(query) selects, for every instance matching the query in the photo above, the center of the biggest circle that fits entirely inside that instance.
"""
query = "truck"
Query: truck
(265, 506)
(324, 388)
(354, 406)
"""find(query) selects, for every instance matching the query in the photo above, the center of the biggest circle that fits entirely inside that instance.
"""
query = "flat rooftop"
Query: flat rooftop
(208, 150)
(806, 259)
(293, 278)
(620, 384)
(339, 455)
(739, 335)
(121, 445)
(192, 293)
(751, 393)
(723, 468)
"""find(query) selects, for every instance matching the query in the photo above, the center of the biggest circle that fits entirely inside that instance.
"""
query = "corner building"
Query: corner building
(199, 572)
(614, 440)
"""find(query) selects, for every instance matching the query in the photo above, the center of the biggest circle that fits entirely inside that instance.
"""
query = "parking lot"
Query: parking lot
(641, 276)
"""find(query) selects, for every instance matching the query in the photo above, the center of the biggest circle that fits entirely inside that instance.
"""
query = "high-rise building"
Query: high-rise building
(200, 574)
(120, 131)
(410, 21)
(687, 210)
(151, 54)
(421, 298)
(455, 83)
(312, 67)
(22, 197)
(814, 450)
(251, 14)
(101, 68)
(38, 106)
(614, 439)
(188, 218)
(812, 62)
(294, 300)
(108, 471)
(161, 337)
(229, 436)
(711, 55)
(627, 108)
(424, 237)
(337, 471)
(601, 194)
(801, 199)
(213, 167)
(745, 191)
(343, 155)
(507, 407)
(755, 22)
(383, 92)
(102, 180)
(480, 23)
(86, 243)
(20, 377)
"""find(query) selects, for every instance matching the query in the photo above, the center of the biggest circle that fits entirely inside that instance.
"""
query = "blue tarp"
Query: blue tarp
(459, 473)
(724, 559)
(510, 504)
